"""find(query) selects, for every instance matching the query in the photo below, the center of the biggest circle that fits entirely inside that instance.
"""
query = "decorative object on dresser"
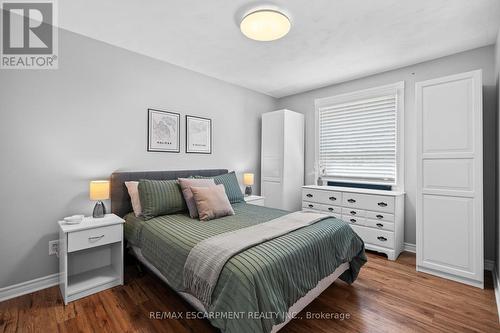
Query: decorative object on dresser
(90, 256)
(449, 205)
(248, 180)
(377, 216)
(198, 135)
(163, 131)
(99, 190)
(282, 169)
(255, 200)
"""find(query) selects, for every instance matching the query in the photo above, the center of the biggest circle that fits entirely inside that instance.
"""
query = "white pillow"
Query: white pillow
(133, 191)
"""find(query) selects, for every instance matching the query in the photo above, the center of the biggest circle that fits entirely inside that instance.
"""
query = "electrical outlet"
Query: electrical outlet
(53, 247)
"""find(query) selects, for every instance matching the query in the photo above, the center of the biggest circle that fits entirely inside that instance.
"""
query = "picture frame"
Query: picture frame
(198, 135)
(164, 131)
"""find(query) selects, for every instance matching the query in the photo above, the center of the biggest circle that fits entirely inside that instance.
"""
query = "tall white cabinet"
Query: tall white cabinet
(282, 159)
(450, 177)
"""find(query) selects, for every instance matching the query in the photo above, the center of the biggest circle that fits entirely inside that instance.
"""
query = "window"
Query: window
(359, 136)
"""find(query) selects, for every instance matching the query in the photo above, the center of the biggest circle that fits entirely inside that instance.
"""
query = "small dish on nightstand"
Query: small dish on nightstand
(74, 219)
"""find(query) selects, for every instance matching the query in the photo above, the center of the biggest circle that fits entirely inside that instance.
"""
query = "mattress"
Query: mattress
(257, 286)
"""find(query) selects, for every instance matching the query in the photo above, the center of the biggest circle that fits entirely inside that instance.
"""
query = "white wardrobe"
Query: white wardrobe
(450, 177)
(282, 159)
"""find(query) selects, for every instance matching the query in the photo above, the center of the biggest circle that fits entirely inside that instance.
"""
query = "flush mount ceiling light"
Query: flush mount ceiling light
(265, 25)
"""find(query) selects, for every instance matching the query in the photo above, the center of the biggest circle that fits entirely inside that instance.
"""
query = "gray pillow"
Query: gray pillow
(231, 185)
(160, 197)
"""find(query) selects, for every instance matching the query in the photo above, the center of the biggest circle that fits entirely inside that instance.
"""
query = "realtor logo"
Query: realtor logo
(29, 38)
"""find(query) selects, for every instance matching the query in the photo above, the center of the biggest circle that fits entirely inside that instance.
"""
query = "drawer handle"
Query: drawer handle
(351, 201)
(353, 212)
(332, 198)
(311, 206)
(380, 216)
(330, 209)
(95, 238)
(382, 204)
(380, 225)
(380, 238)
(309, 195)
(353, 220)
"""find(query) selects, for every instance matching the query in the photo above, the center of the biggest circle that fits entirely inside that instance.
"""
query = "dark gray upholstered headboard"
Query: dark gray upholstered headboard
(120, 200)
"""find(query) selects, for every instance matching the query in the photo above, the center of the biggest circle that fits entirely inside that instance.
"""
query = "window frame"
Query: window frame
(395, 88)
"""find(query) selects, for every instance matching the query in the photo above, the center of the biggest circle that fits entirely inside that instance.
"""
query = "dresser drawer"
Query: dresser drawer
(379, 203)
(329, 197)
(379, 216)
(377, 224)
(321, 196)
(353, 219)
(89, 238)
(353, 212)
(311, 205)
(375, 237)
(353, 200)
(311, 195)
(332, 209)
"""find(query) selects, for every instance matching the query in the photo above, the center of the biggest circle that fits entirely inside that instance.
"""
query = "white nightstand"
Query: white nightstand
(255, 200)
(90, 256)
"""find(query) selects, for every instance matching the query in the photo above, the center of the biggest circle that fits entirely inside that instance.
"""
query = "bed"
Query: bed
(259, 289)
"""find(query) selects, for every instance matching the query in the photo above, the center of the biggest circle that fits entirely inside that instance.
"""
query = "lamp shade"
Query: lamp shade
(99, 190)
(248, 179)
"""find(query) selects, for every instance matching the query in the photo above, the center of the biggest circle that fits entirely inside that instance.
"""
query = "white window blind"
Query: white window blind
(357, 140)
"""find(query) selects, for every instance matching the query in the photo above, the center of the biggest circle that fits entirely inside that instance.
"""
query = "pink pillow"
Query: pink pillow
(212, 202)
(133, 192)
(186, 184)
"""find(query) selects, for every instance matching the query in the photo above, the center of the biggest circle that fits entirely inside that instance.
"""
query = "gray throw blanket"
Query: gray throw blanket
(207, 258)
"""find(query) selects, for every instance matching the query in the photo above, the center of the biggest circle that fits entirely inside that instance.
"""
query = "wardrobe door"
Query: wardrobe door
(449, 172)
(272, 158)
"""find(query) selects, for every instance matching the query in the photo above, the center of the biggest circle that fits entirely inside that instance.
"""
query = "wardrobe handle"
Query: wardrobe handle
(353, 212)
(309, 195)
(380, 238)
(380, 216)
(351, 201)
(380, 225)
(353, 220)
(311, 206)
(332, 198)
(95, 238)
(382, 204)
(330, 209)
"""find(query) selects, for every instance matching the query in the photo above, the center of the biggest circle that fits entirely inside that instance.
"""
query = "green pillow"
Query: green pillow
(160, 197)
(230, 182)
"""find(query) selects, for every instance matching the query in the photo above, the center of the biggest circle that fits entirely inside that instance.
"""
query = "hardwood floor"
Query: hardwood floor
(387, 297)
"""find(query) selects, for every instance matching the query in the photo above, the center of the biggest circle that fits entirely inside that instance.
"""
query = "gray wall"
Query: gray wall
(481, 58)
(59, 129)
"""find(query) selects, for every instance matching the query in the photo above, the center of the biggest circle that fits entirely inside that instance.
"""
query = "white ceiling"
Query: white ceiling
(330, 40)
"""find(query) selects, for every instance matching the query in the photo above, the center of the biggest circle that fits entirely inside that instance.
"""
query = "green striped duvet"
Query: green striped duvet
(256, 287)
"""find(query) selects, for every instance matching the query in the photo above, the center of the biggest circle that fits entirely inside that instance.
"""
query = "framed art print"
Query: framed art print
(163, 131)
(198, 135)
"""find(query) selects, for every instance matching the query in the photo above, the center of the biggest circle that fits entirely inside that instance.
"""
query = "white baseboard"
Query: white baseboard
(489, 265)
(409, 247)
(27, 287)
(496, 285)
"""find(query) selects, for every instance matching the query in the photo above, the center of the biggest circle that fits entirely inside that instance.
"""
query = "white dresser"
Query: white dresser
(376, 216)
